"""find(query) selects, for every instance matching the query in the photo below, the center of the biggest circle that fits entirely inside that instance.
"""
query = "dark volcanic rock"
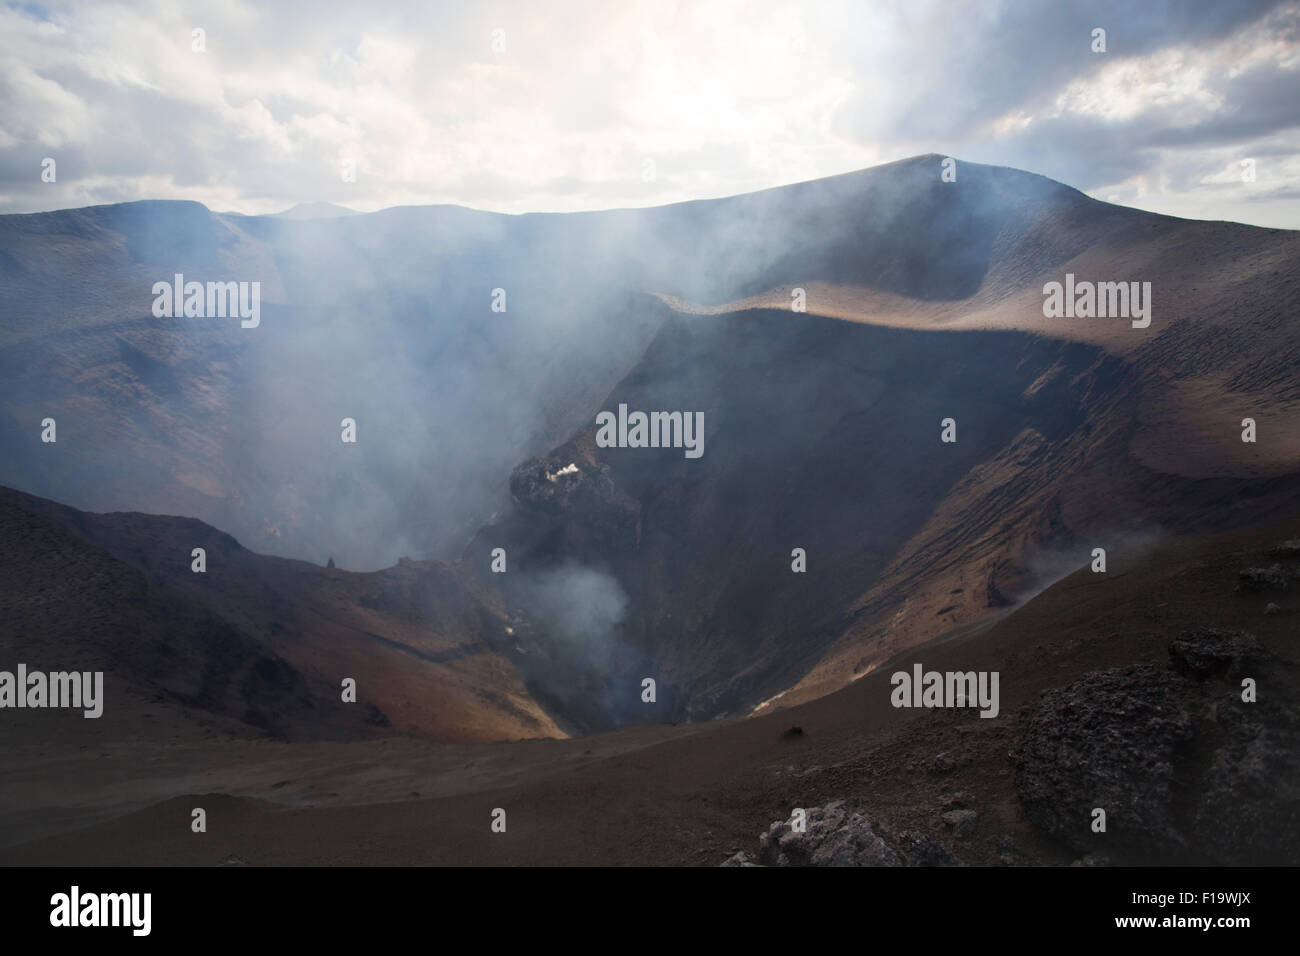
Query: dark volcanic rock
(1186, 770)
(1210, 651)
(1106, 740)
(738, 859)
(945, 762)
(961, 822)
(1273, 578)
(579, 498)
(921, 850)
(1248, 790)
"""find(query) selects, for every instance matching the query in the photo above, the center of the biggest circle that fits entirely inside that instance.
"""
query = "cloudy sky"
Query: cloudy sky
(560, 106)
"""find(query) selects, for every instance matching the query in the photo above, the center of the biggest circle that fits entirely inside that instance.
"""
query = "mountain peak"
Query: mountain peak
(315, 210)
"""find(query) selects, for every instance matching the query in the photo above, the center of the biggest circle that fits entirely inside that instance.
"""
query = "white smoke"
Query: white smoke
(569, 469)
(1049, 564)
(580, 608)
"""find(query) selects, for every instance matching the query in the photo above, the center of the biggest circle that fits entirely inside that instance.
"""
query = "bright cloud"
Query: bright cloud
(581, 105)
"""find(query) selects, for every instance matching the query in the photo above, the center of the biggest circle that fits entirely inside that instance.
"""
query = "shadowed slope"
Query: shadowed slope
(264, 640)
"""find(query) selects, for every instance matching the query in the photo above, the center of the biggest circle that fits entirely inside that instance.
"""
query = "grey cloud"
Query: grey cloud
(960, 68)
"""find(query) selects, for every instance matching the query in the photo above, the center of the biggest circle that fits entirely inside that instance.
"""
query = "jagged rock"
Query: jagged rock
(1271, 608)
(1107, 740)
(1286, 549)
(583, 499)
(832, 838)
(1208, 651)
(738, 859)
(1273, 578)
(921, 850)
(541, 485)
(962, 822)
(1184, 768)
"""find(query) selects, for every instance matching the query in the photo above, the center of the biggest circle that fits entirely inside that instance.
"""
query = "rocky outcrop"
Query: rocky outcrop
(1211, 651)
(833, 836)
(578, 501)
(1273, 578)
(1184, 766)
(1105, 742)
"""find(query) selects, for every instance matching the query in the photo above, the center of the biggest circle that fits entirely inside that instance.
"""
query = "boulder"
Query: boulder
(832, 837)
(1273, 578)
(1211, 651)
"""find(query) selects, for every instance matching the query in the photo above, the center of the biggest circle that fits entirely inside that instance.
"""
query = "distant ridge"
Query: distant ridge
(315, 210)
